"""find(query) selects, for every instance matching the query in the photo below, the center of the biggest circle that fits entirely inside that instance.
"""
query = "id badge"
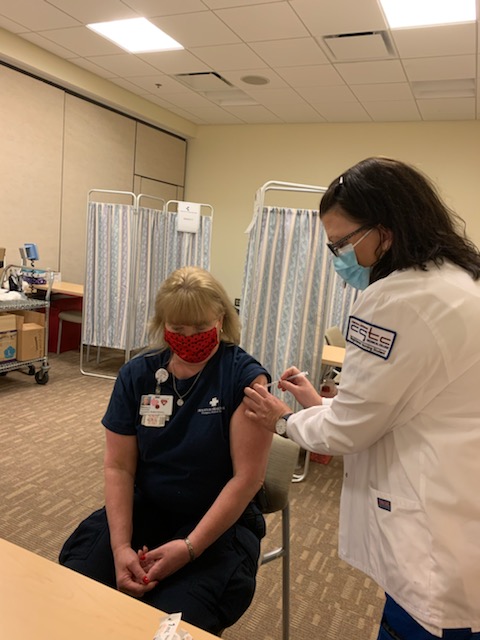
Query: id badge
(154, 403)
(155, 409)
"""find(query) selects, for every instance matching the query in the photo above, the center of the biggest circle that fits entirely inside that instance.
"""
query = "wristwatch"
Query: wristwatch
(281, 424)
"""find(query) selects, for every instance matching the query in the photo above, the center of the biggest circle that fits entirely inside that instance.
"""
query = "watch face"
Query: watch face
(281, 427)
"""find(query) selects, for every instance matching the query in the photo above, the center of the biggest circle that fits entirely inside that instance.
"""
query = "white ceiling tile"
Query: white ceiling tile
(223, 4)
(171, 62)
(48, 45)
(290, 53)
(314, 76)
(10, 25)
(229, 56)
(286, 104)
(178, 110)
(264, 22)
(196, 29)
(151, 8)
(371, 72)
(441, 68)
(339, 16)
(123, 64)
(254, 115)
(129, 86)
(447, 109)
(343, 112)
(235, 77)
(81, 41)
(383, 92)
(36, 15)
(188, 99)
(167, 84)
(427, 42)
(315, 95)
(392, 111)
(89, 11)
(216, 115)
(93, 68)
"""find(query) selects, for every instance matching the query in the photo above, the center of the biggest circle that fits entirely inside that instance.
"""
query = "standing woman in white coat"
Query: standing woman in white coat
(407, 414)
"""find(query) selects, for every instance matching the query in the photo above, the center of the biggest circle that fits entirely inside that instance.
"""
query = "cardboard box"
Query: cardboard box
(30, 341)
(8, 322)
(29, 316)
(8, 337)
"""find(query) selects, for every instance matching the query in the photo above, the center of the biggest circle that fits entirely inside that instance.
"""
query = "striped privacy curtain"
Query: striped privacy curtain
(109, 261)
(291, 293)
(162, 249)
(130, 252)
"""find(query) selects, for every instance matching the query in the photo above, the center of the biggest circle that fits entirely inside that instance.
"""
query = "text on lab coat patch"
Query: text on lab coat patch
(370, 337)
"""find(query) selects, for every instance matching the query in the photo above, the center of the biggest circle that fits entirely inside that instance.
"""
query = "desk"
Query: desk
(67, 288)
(42, 600)
(333, 356)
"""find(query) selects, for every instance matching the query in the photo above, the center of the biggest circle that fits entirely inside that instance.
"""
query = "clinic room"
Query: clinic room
(240, 264)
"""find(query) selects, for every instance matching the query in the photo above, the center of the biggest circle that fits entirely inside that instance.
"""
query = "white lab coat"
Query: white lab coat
(407, 421)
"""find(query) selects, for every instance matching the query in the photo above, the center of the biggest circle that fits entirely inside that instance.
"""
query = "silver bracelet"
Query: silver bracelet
(191, 551)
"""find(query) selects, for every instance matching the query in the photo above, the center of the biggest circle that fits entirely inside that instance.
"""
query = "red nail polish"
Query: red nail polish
(142, 558)
(145, 580)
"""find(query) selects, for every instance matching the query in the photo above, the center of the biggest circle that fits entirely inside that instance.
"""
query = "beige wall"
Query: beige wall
(227, 164)
(56, 147)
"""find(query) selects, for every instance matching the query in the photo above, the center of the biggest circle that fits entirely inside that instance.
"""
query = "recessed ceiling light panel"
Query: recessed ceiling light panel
(423, 13)
(137, 35)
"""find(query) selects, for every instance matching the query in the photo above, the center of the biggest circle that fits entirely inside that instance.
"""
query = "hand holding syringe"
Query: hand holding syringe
(295, 375)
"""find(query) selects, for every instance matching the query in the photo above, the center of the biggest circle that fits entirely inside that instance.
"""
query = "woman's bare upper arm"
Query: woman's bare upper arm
(249, 443)
(121, 451)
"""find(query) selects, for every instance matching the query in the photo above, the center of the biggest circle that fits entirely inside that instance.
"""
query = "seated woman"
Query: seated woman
(182, 465)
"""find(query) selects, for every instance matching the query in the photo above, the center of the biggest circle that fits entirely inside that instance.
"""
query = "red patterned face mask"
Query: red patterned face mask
(194, 348)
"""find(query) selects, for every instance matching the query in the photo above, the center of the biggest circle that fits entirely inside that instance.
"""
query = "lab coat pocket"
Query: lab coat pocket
(401, 544)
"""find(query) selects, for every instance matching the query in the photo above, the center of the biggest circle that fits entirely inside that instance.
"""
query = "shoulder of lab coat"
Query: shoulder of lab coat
(377, 395)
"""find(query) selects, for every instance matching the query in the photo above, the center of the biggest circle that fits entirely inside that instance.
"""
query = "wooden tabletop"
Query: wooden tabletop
(41, 600)
(68, 288)
(333, 355)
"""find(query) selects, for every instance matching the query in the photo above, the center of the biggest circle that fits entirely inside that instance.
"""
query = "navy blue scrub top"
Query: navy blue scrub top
(183, 466)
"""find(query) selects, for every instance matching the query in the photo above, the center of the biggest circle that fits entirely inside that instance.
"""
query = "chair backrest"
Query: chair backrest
(278, 478)
(334, 336)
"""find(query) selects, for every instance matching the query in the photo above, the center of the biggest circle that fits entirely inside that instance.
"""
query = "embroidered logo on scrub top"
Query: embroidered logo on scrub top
(370, 337)
(214, 406)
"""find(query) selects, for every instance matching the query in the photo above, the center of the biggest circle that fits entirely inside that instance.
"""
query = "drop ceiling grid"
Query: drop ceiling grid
(279, 39)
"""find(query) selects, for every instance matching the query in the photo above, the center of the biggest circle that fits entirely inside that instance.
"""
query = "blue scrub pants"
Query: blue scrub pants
(212, 593)
(397, 624)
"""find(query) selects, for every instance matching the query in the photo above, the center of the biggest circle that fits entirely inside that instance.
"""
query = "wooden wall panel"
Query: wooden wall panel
(99, 154)
(160, 156)
(31, 138)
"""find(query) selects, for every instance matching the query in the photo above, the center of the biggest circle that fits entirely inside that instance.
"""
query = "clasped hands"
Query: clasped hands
(138, 572)
(265, 409)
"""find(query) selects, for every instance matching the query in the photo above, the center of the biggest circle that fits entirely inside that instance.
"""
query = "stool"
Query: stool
(67, 316)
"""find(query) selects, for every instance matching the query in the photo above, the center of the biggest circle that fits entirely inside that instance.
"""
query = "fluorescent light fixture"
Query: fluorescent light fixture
(423, 13)
(137, 35)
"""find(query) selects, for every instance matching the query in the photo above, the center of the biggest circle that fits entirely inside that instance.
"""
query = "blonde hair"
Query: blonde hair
(187, 297)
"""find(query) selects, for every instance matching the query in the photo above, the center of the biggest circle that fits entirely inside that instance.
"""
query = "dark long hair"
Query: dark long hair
(391, 194)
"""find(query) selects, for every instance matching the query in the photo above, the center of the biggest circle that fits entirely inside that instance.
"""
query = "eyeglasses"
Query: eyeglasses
(335, 246)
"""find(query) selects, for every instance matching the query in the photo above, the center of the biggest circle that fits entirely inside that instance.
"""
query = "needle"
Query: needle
(295, 375)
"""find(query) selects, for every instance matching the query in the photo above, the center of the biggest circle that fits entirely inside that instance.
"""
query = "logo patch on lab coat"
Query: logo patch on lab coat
(384, 504)
(370, 337)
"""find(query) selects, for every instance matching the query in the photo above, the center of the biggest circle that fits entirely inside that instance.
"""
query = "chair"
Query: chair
(275, 497)
(67, 316)
(334, 337)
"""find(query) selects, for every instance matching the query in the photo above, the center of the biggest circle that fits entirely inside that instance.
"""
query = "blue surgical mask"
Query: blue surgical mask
(347, 267)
